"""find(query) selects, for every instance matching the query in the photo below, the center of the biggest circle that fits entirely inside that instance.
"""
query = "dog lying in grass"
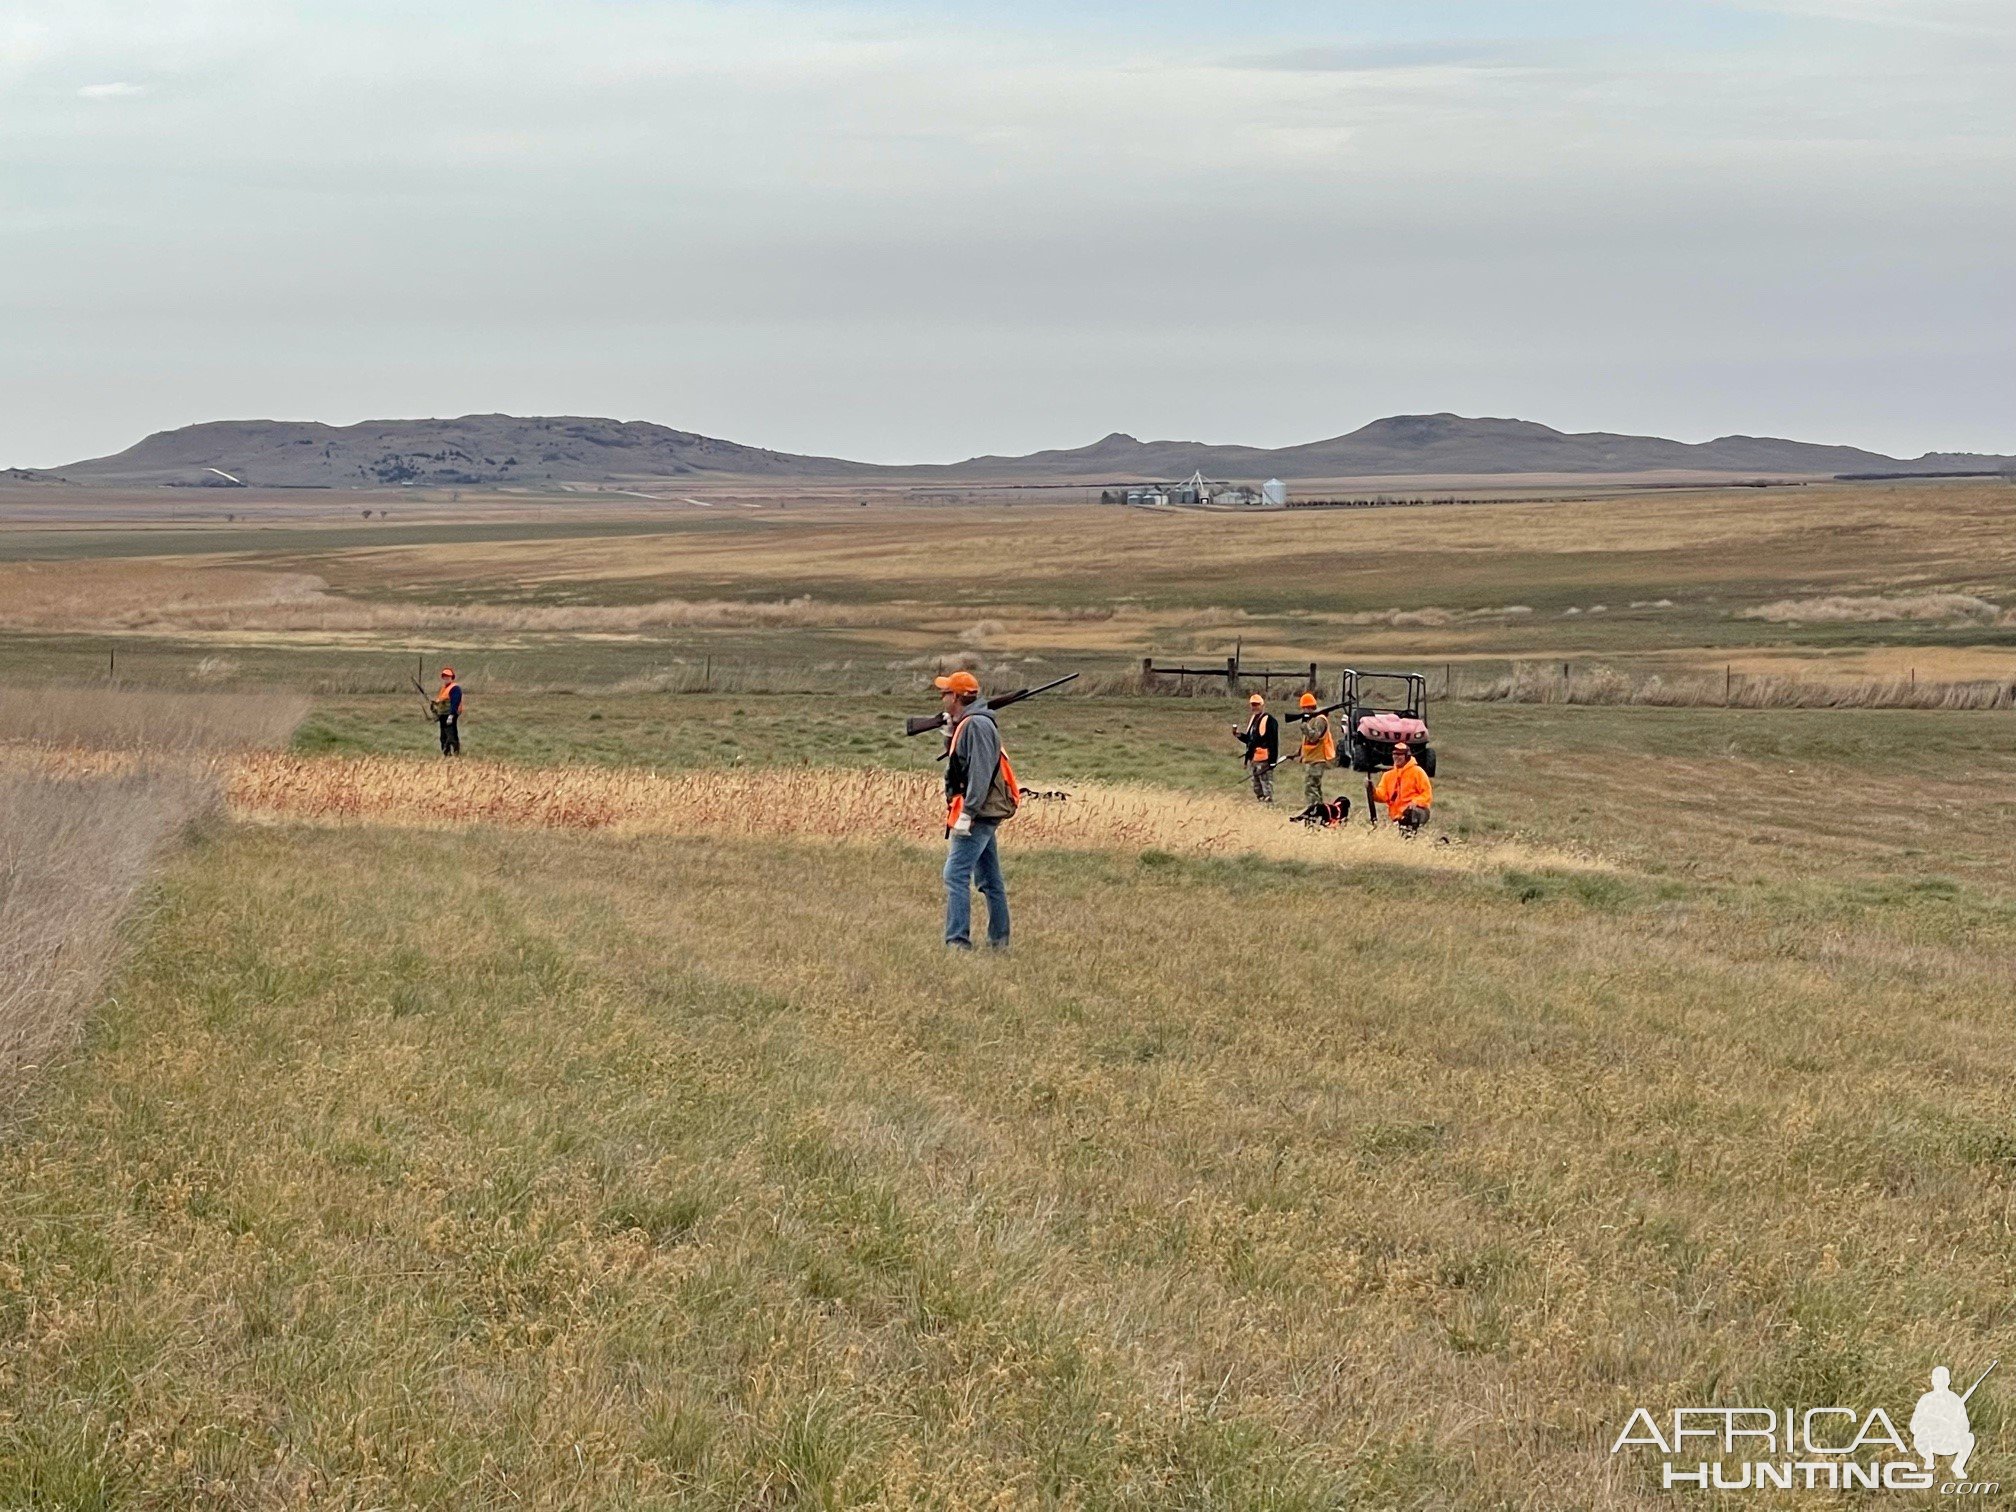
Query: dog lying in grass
(1328, 814)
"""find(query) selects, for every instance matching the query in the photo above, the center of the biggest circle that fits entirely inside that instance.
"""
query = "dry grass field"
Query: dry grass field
(468, 1162)
(599, 1122)
(841, 805)
(1829, 581)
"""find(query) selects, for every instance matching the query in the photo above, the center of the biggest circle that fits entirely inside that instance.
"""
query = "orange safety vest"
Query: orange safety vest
(1404, 787)
(1004, 774)
(1324, 749)
(441, 698)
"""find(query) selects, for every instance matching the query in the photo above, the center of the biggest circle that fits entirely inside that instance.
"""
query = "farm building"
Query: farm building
(1198, 489)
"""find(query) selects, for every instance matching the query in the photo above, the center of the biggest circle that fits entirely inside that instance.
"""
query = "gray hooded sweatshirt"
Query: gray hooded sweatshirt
(975, 758)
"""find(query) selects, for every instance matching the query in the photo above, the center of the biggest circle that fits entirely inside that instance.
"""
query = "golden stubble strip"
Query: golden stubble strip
(832, 805)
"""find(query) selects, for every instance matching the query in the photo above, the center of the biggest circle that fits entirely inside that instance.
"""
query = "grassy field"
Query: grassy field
(601, 1123)
(1836, 580)
(451, 1165)
(1704, 792)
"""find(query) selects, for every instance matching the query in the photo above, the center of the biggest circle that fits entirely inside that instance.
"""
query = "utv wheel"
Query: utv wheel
(1426, 756)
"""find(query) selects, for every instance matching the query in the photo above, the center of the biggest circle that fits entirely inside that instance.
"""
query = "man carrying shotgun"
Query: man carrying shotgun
(446, 707)
(980, 792)
(1319, 748)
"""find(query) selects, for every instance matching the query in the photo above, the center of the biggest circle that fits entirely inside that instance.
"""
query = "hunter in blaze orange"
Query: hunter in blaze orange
(1261, 736)
(980, 792)
(447, 709)
(1319, 749)
(1406, 790)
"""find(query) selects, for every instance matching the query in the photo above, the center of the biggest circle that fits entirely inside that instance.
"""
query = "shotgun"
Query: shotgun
(918, 724)
(1299, 716)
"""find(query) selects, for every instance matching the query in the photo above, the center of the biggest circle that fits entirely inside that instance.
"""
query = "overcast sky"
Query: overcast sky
(919, 231)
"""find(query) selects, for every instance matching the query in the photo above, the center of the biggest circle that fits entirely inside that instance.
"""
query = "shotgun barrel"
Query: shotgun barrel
(919, 723)
(1300, 715)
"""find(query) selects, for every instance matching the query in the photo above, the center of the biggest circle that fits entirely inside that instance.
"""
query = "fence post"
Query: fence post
(1147, 674)
(1232, 673)
(112, 664)
(1728, 682)
(1312, 677)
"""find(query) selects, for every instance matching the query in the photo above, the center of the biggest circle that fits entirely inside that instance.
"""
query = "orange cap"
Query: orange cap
(1257, 701)
(447, 671)
(1308, 700)
(957, 682)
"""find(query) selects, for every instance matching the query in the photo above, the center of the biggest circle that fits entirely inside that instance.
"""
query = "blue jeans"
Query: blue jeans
(974, 860)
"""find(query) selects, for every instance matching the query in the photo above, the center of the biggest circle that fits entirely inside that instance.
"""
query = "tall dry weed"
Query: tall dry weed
(1869, 609)
(74, 852)
(94, 782)
(858, 806)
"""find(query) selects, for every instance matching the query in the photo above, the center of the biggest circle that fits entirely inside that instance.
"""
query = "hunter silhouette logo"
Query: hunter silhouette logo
(1815, 1448)
(1939, 1422)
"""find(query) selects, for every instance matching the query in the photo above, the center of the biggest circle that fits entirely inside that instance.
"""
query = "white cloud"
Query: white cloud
(118, 91)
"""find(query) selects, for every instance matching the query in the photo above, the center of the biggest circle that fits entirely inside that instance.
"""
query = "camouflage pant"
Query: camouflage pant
(1312, 780)
(1262, 773)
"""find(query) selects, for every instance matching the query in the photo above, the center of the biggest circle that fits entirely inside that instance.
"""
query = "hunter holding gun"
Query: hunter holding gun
(980, 792)
(446, 707)
(1406, 791)
(1261, 735)
(1319, 749)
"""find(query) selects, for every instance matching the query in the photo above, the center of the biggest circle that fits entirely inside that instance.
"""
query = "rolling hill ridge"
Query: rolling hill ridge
(502, 450)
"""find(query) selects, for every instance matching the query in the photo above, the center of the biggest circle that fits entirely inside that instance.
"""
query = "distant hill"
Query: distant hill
(491, 450)
(475, 450)
(1443, 444)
